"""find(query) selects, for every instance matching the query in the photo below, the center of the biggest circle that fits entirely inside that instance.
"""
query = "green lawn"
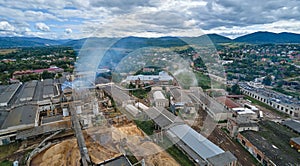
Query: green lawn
(146, 126)
(176, 153)
(6, 150)
(6, 163)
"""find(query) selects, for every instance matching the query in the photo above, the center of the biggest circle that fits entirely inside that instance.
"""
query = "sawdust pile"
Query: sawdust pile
(98, 153)
(153, 154)
(63, 154)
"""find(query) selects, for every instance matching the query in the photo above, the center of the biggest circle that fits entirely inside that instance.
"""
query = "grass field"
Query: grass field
(176, 153)
(146, 126)
(7, 51)
(7, 150)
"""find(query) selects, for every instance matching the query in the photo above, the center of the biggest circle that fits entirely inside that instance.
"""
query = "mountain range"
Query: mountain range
(138, 42)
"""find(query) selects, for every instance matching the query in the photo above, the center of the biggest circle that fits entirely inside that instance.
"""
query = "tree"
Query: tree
(235, 89)
(47, 75)
(267, 80)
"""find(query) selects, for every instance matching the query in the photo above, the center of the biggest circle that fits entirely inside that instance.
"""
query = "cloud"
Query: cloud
(42, 27)
(6, 26)
(147, 17)
(68, 30)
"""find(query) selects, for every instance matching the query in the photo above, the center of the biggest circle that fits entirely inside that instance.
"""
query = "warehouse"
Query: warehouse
(48, 88)
(293, 125)
(214, 109)
(120, 97)
(132, 110)
(199, 148)
(7, 93)
(19, 118)
(162, 117)
(28, 91)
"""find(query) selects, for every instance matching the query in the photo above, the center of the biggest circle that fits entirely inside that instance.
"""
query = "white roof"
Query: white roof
(242, 110)
(132, 110)
(141, 106)
(194, 140)
(158, 95)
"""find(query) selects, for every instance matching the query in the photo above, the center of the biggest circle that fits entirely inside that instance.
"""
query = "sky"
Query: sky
(74, 19)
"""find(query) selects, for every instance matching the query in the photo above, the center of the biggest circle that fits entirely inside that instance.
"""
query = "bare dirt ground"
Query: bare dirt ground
(221, 139)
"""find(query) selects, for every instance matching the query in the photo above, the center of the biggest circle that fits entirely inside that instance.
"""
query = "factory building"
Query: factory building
(160, 100)
(7, 93)
(213, 108)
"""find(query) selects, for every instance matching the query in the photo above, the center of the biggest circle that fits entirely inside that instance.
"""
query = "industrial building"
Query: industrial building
(214, 109)
(160, 100)
(235, 126)
(293, 125)
(19, 118)
(199, 148)
(133, 111)
(196, 146)
(163, 118)
(141, 106)
(161, 78)
(121, 97)
(227, 102)
(181, 101)
(265, 151)
(7, 93)
(278, 101)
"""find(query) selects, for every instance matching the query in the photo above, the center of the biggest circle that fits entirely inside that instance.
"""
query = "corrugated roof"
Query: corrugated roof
(132, 110)
(293, 124)
(23, 115)
(222, 159)
(180, 96)
(227, 102)
(198, 143)
(296, 140)
(162, 117)
(158, 95)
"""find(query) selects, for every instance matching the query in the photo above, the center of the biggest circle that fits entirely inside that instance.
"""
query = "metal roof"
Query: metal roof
(198, 143)
(222, 159)
(132, 110)
(162, 117)
(116, 93)
(296, 140)
(48, 82)
(8, 93)
(48, 91)
(158, 95)
(180, 96)
(293, 124)
(23, 115)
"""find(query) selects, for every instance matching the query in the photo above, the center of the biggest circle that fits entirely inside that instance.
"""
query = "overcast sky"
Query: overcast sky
(58, 19)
